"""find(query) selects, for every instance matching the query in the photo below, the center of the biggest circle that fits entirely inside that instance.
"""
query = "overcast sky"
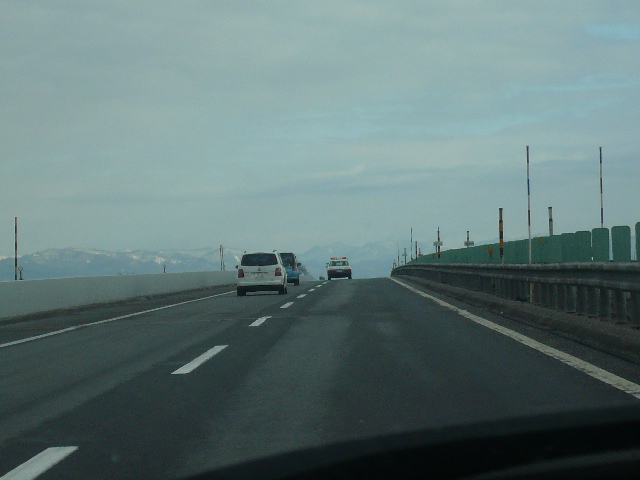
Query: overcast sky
(264, 125)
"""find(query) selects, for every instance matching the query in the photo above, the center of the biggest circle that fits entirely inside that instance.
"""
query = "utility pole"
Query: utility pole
(501, 231)
(601, 196)
(551, 221)
(222, 265)
(411, 243)
(438, 243)
(529, 205)
(405, 255)
(16, 249)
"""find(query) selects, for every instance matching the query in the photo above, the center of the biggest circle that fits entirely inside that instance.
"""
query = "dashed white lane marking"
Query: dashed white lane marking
(302, 295)
(64, 330)
(39, 464)
(287, 305)
(196, 362)
(598, 373)
(312, 289)
(259, 321)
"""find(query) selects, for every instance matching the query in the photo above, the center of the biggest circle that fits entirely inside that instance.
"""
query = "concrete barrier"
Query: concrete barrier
(27, 297)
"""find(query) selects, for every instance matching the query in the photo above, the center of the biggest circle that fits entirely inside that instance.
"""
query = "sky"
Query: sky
(283, 125)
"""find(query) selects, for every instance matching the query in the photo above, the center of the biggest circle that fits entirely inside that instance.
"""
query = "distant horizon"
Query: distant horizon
(371, 242)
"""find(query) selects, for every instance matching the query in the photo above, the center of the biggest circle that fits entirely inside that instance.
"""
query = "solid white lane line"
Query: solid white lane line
(259, 321)
(598, 373)
(287, 305)
(64, 330)
(39, 464)
(302, 295)
(196, 362)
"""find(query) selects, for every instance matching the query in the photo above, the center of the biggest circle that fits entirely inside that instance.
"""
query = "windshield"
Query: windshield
(477, 161)
(339, 263)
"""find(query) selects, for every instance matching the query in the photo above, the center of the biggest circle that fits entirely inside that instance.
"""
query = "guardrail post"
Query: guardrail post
(504, 288)
(605, 304)
(581, 300)
(562, 297)
(553, 295)
(513, 289)
(524, 291)
(544, 293)
(635, 308)
(571, 298)
(592, 302)
(537, 293)
(621, 306)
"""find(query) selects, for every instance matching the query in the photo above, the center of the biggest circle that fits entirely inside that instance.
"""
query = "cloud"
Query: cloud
(616, 32)
(219, 117)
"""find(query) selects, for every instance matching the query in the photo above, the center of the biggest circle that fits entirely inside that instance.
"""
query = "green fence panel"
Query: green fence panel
(568, 247)
(521, 249)
(554, 249)
(583, 246)
(621, 243)
(510, 253)
(546, 249)
(480, 254)
(600, 244)
(537, 250)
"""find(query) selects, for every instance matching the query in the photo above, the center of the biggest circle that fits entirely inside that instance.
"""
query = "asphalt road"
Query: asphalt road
(164, 388)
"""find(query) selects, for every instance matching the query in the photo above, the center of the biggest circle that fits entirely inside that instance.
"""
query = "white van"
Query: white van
(261, 271)
(338, 267)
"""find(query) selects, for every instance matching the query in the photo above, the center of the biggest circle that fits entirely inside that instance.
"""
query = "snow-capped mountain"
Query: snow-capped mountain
(370, 260)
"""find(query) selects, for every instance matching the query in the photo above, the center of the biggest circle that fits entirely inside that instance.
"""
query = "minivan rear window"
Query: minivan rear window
(288, 259)
(258, 259)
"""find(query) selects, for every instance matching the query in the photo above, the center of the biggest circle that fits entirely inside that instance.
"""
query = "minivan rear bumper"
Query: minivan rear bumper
(263, 284)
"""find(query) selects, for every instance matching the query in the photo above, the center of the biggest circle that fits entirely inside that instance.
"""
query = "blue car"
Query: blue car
(291, 264)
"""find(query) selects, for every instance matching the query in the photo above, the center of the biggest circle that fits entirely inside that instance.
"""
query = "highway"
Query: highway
(167, 387)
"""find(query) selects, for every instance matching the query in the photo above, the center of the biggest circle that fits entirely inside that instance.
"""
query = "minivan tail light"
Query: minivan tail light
(240, 273)
(278, 272)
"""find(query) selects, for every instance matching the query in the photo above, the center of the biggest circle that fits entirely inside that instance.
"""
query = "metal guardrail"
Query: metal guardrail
(610, 291)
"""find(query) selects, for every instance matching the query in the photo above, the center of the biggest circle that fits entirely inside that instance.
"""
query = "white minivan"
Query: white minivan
(261, 271)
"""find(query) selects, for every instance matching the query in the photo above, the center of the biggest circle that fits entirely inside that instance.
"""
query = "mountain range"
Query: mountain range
(369, 261)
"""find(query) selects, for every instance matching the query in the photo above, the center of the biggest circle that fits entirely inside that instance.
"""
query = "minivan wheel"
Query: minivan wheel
(297, 282)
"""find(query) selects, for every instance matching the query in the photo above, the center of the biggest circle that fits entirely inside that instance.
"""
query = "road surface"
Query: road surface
(164, 388)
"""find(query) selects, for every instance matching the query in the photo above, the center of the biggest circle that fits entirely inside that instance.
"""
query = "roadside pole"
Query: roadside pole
(601, 196)
(16, 249)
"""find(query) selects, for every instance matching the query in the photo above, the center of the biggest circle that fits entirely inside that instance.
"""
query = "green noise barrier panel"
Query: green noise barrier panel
(621, 243)
(600, 244)
(582, 246)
